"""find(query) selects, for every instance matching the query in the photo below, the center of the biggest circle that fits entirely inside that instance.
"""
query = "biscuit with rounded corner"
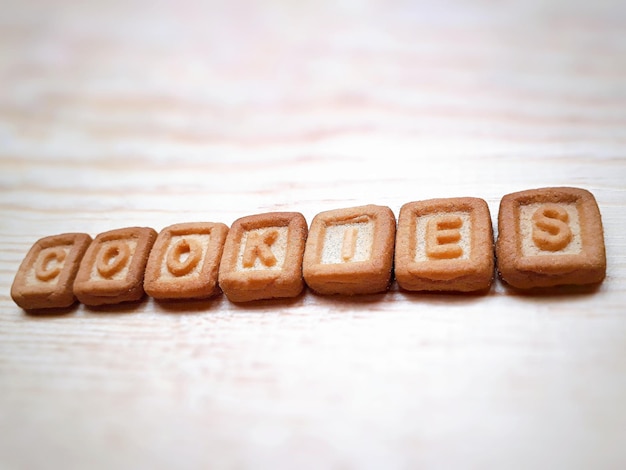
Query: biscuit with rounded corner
(350, 251)
(113, 267)
(445, 245)
(46, 275)
(184, 261)
(550, 237)
(262, 257)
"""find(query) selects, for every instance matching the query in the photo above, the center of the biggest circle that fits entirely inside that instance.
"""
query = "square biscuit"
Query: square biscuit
(46, 276)
(350, 251)
(262, 257)
(445, 245)
(184, 261)
(112, 269)
(549, 237)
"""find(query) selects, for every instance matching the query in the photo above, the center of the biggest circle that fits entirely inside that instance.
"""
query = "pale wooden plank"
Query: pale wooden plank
(128, 113)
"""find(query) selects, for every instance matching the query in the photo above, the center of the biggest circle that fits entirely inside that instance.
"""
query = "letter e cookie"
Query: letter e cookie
(445, 245)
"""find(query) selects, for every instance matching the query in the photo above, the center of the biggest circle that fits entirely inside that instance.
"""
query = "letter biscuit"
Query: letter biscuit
(262, 257)
(445, 245)
(46, 275)
(549, 237)
(184, 261)
(350, 251)
(112, 270)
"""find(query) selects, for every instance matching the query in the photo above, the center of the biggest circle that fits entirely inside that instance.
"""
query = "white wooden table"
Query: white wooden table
(125, 113)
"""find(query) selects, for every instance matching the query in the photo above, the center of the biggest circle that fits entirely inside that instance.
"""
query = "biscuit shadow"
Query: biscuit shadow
(188, 306)
(444, 297)
(51, 312)
(269, 304)
(117, 309)
(344, 300)
(553, 292)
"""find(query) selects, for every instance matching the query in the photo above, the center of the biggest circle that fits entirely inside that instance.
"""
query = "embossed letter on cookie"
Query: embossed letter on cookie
(262, 257)
(46, 275)
(113, 268)
(445, 245)
(549, 237)
(350, 251)
(185, 260)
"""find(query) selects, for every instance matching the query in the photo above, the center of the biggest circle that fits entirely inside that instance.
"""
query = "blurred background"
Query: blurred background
(172, 97)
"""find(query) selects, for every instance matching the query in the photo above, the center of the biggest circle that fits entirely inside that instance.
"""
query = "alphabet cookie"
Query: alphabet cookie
(46, 275)
(262, 257)
(549, 237)
(184, 261)
(350, 251)
(112, 270)
(445, 245)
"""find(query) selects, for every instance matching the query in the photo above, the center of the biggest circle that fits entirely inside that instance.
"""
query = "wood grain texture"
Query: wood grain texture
(125, 113)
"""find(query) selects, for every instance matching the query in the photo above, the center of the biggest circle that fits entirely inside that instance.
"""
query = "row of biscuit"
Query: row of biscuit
(546, 237)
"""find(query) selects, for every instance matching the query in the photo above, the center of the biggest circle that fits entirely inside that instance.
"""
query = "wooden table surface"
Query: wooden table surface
(121, 113)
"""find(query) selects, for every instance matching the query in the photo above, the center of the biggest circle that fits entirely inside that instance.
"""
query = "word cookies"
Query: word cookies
(546, 237)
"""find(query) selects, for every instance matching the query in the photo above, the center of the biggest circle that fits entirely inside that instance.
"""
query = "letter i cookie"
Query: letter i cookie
(262, 257)
(112, 270)
(445, 245)
(549, 237)
(350, 251)
(46, 276)
(184, 261)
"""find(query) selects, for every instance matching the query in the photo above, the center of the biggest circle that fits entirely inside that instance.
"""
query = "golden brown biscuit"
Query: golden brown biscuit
(445, 245)
(46, 275)
(112, 270)
(184, 261)
(350, 251)
(549, 237)
(262, 257)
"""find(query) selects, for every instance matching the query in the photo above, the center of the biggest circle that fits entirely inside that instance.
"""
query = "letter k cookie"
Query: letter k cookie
(262, 257)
